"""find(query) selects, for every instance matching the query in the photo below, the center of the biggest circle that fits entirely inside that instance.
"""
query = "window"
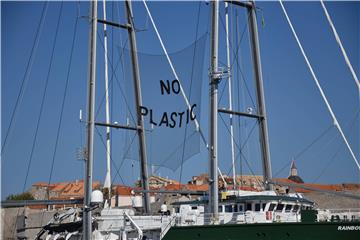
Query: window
(272, 206)
(263, 206)
(221, 208)
(228, 208)
(194, 208)
(241, 208)
(248, 207)
(177, 210)
(257, 207)
(235, 207)
(296, 208)
(279, 207)
(288, 208)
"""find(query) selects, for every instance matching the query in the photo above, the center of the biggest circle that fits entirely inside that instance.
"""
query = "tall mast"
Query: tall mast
(214, 80)
(230, 92)
(263, 129)
(138, 103)
(107, 183)
(87, 231)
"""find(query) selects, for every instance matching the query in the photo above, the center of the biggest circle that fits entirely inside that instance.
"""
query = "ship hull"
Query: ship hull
(268, 231)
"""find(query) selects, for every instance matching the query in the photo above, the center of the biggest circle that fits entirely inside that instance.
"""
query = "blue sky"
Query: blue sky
(296, 112)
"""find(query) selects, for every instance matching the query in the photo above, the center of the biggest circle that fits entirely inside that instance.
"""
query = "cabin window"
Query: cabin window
(194, 208)
(257, 207)
(288, 208)
(263, 206)
(272, 206)
(235, 208)
(248, 207)
(228, 208)
(241, 208)
(279, 207)
(296, 208)
(221, 208)
(177, 210)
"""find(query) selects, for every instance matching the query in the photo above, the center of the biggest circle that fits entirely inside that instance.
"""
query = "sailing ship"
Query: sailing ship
(229, 214)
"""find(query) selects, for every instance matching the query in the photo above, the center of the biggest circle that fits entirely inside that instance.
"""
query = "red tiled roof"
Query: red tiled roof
(123, 190)
(203, 187)
(43, 184)
(327, 187)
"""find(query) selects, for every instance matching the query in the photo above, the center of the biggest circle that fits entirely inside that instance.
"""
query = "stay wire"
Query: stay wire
(191, 81)
(312, 143)
(43, 98)
(237, 145)
(25, 78)
(63, 99)
(117, 80)
(235, 58)
(351, 126)
(111, 158)
(41, 107)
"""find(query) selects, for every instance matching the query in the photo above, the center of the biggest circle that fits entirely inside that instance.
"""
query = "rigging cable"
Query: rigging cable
(117, 80)
(26, 74)
(235, 59)
(42, 103)
(297, 156)
(108, 153)
(338, 40)
(191, 81)
(336, 123)
(238, 147)
(351, 125)
(43, 98)
(63, 99)
(175, 74)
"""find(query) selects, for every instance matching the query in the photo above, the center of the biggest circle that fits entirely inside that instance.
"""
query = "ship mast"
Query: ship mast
(90, 124)
(263, 129)
(107, 183)
(259, 87)
(138, 104)
(214, 80)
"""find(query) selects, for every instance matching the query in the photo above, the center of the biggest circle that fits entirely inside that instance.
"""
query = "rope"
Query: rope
(338, 40)
(174, 72)
(26, 74)
(336, 123)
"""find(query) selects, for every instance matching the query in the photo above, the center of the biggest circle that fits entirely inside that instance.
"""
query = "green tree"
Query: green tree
(21, 196)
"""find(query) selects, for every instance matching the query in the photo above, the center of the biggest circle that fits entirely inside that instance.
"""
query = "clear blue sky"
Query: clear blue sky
(296, 112)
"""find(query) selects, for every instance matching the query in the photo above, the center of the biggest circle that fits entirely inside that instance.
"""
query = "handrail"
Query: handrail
(140, 232)
(167, 227)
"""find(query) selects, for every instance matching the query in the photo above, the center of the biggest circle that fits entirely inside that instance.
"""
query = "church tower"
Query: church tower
(294, 174)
